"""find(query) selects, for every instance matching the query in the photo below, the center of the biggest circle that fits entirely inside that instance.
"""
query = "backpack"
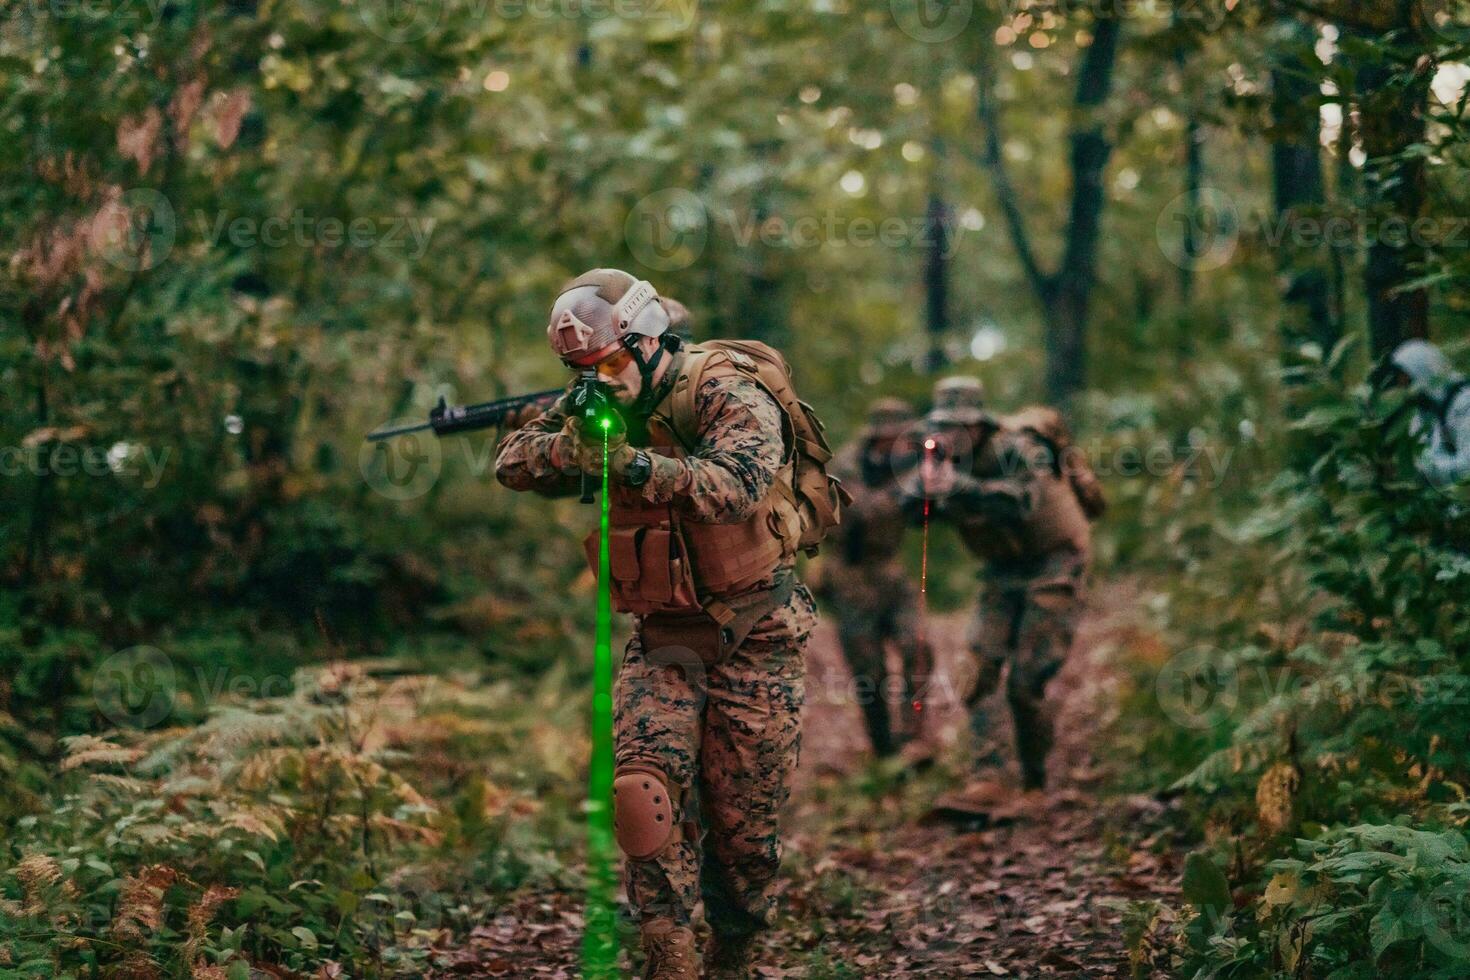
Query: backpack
(817, 496)
(1442, 413)
(1048, 425)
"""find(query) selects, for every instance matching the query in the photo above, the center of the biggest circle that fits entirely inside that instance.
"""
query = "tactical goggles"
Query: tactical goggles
(612, 364)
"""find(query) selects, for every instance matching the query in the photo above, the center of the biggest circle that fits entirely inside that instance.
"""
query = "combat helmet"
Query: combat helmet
(958, 400)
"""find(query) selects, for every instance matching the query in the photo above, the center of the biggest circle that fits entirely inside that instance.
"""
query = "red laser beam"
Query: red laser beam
(929, 446)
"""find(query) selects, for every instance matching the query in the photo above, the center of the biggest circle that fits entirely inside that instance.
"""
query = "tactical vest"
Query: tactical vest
(873, 526)
(662, 562)
(1056, 521)
(1046, 424)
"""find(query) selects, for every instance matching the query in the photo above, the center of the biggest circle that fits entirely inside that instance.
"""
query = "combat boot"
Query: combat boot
(731, 956)
(669, 951)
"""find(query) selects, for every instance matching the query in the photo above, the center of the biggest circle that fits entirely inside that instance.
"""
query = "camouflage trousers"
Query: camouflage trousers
(874, 606)
(1026, 619)
(728, 737)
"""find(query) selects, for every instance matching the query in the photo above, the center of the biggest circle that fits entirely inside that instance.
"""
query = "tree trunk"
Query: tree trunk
(1068, 310)
(1297, 186)
(1194, 174)
(1065, 295)
(1392, 113)
(936, 278)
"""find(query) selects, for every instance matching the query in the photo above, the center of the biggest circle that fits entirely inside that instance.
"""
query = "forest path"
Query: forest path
(1033, 887)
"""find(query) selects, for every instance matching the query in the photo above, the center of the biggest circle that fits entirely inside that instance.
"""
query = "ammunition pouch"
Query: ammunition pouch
(716, 630)
(650, 566)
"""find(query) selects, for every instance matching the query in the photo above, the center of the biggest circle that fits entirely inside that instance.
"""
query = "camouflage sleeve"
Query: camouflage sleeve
(1006, 495)
(524, 461)
(739, 454)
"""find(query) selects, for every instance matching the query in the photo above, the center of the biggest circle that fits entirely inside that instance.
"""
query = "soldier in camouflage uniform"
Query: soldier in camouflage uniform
(864, 583)
(706, 743)
(1022, 504)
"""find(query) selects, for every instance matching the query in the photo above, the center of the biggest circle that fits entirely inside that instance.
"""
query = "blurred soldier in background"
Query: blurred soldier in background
(865, 585)
(1443, 398)
(1022, 499)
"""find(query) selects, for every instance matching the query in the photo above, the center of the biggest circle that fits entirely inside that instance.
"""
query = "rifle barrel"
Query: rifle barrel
(401, 430)
(447, 417)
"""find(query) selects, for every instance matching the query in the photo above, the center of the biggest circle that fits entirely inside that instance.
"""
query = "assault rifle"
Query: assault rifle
(446, 419)
(591, 401)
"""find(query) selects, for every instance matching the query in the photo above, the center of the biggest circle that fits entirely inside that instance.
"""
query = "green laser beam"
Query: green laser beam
(600, 942)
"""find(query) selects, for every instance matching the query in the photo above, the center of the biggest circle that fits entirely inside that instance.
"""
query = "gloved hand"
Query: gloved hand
(588, 449)
(566, 448)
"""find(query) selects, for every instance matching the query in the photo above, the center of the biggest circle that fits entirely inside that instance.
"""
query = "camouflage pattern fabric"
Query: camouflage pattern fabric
(729, 736)
(875, 601)
(1026, 619)
(1023, 518)
(733, 465)
(1013, 507)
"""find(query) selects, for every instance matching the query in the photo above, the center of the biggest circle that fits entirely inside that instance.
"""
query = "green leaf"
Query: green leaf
(307, 937)
(1205, 886)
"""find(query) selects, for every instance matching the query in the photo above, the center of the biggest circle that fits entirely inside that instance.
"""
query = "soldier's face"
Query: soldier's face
(620, 373)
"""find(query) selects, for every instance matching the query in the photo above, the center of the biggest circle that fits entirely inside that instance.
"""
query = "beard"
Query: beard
(625, 386)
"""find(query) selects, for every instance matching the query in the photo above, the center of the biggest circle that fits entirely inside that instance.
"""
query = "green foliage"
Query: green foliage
(354, 820)
(1344, 725)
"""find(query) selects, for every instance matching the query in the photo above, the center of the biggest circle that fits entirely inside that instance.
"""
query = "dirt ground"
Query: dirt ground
(877, 885)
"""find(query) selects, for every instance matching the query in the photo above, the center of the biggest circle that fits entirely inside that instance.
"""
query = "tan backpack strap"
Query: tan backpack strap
(683, 418)
(698, 361)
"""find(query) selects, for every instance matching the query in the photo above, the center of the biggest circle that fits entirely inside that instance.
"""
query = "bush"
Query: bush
(295, 831)
(1343, 742)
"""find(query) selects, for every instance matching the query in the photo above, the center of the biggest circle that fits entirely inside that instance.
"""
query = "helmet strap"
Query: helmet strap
(643, 404)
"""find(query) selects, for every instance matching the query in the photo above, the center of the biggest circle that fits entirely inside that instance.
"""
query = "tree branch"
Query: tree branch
(1005, 190)
(1338, 13)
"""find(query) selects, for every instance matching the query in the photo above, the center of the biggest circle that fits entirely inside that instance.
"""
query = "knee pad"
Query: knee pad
(645, 811)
